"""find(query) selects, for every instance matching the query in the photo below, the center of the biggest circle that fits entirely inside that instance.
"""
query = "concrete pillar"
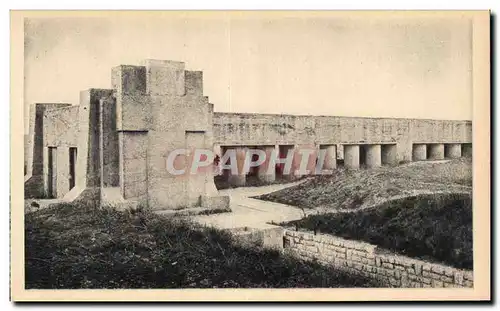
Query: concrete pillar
(467, 150)
(283, 151)
(238, 179)
(351, 156)
(62, 171)
(330, 161)
(436, 151)
(390, 154)
(305, 160)
(108, 144)
(373, 156)
(419, 152)
(265, 173)
(453, 151)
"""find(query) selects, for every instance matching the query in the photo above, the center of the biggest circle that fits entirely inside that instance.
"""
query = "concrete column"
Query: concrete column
(373, 156)
(351, 156)
(45, 171)
(453, 151)
(62, 171)
(330, 162)
(419, 152)
(264, 173)
(283, 151)
(436, 151)
(390, 154)
(467, 150)
(240, 178)
(305, 159)
(108, 144)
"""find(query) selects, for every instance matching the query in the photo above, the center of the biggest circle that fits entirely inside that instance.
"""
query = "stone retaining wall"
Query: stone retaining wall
(369, 260)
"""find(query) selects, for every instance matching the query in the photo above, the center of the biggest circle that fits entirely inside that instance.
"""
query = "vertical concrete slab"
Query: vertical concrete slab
(467, 150)
(62, 171)
(436, 151)
(330, 160)
(284, 151)
(109, 147)
(373, 156)
(389, 154)
(419, 152)
(194, 82)
(198, 179)
(304, 161)
(266, 173)
(129, 80)
(90, 130)
(452, 151)
(351, 156)
(238, 179)
(133, 165)
(45, 173)
(51, 172)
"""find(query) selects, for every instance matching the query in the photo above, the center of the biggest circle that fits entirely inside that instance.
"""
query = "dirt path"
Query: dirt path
(252, 213)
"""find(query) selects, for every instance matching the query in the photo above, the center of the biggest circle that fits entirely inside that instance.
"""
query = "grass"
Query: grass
(85, 247)
(431, 227)
(356, 189)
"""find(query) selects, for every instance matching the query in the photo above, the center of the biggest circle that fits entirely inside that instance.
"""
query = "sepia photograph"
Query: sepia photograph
(328, 153)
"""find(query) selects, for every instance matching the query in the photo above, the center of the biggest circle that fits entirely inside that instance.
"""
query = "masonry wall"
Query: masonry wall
(267, 129)
(366, 259)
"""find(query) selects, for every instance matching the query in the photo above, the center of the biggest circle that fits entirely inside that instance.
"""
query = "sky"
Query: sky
(342, 65)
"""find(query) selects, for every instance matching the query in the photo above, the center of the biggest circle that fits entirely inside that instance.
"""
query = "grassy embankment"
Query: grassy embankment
(84, 247)
(436, 228)
(356, 189)
(421, 210)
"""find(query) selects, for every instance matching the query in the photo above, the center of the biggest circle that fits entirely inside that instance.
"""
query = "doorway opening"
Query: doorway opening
(72, 167)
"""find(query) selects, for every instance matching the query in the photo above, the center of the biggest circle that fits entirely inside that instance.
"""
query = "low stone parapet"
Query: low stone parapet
(369, 260)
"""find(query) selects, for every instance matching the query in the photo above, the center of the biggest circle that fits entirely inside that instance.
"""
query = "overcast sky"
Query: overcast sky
(339, 65)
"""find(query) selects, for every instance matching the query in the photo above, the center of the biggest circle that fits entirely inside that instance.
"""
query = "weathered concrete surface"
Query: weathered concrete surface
(419, 152)
(266, 171)
(108, 144)
(435, 151)
(351, 156)
(373, 156)
(389, 154)
(162, 111)
(467, 150)
(452, 151)
(330, 161)
(268, 129)
(238, 179)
